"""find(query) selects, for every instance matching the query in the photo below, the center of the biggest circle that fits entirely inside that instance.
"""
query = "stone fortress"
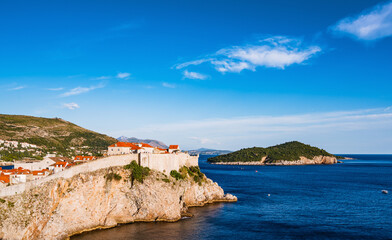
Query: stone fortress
(119, 154)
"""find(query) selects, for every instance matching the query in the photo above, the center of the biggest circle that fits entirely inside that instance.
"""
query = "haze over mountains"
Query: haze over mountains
(152, 142)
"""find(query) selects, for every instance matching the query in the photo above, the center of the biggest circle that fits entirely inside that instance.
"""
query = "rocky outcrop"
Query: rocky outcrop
(301, 161)
(87, 201)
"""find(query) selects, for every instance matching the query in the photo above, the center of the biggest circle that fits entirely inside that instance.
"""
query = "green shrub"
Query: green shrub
(139, 173)
(2, 200)
(176, 175)
(111, 176)
(166, 180)
(11, 204)
(196, 171)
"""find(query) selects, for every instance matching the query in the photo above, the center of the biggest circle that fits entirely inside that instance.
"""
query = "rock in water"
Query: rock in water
(385, 191)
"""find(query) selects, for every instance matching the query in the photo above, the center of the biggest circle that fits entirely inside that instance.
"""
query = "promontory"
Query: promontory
(289, 153)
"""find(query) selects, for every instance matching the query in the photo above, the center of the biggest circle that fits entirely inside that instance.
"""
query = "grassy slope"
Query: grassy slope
(50, 132)
(289, 151)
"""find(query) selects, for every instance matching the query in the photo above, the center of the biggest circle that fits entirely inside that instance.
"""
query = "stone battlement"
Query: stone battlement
(159, 162)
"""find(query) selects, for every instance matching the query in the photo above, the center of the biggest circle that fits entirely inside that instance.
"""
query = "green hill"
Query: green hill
(51, 133)
(289, 151)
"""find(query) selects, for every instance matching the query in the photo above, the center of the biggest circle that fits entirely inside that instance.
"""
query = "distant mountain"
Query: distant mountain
(50, 133)
(154, 143)
(207, 151)
(289, 151)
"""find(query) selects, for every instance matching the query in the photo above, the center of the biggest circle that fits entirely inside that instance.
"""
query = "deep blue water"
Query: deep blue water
(341, 201)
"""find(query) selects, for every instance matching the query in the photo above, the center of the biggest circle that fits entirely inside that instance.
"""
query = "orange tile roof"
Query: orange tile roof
(146, 145)
(173, 147)
(122, 144)
(4, 178)
(133, 146)
(40, 171)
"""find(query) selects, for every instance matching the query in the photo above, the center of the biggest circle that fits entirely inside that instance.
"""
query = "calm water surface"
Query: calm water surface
(341, 201)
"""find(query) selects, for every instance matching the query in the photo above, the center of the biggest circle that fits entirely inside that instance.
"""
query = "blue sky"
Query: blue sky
(219, 74)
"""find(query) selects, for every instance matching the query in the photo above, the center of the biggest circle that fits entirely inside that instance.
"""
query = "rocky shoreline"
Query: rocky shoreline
(64, 207)
(317, 160)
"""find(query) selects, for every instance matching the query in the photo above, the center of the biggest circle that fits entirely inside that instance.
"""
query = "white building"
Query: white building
(174, 149)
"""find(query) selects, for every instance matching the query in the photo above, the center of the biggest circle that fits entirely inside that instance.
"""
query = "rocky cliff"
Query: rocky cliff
(101, 199)
(302, 161)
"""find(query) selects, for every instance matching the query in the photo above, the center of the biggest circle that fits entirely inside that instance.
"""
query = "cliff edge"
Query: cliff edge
(102, 199)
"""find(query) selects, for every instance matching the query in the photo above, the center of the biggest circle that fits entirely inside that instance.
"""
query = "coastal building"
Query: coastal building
(121, 148)
(35, 165)
(174, 149)
(21, 175)
(40, 174)
(81, 159)
(60, 166)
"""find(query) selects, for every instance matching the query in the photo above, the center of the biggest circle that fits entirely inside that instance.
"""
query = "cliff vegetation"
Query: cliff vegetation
(289, 151)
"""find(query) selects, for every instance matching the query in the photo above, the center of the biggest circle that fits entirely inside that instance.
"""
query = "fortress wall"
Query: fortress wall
(160, 162)
(112, 161)
(167, 162)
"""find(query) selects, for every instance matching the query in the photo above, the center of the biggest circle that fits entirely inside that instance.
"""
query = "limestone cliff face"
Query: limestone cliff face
(302, 161)
(63, 207)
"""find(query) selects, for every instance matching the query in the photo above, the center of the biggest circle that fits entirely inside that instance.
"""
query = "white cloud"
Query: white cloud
(123, 75)
(168, 85)
(17, 88)
(55, 89)
(370, 25)
(71, 106)
(274, 52)
(80, 90)
(194, 75)
(196, 62)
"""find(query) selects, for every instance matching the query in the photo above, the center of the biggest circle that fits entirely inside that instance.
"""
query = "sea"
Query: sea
(340, 201)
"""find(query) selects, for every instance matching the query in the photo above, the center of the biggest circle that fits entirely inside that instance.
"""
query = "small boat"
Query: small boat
(385, 191)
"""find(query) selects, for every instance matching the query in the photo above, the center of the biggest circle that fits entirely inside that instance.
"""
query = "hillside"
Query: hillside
(52, 133)
(152, 142)
(290, 151)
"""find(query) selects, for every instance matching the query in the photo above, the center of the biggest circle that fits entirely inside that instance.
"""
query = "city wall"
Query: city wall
(160, 162)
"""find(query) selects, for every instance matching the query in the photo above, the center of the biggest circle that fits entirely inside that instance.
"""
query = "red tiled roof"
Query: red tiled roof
(122, 144)
(4, 178)
(173, 147)
(40, 172)
(126, 144)
(146, 145)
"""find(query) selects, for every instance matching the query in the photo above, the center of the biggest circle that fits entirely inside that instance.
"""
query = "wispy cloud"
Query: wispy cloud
(194, 75)
(17, 88)
(274, 52)
(168, 85)
(55, 89)
(190, 63)
(123, 75)
(71, 106)
(80, 90)
(372, 24)
(226, 130)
